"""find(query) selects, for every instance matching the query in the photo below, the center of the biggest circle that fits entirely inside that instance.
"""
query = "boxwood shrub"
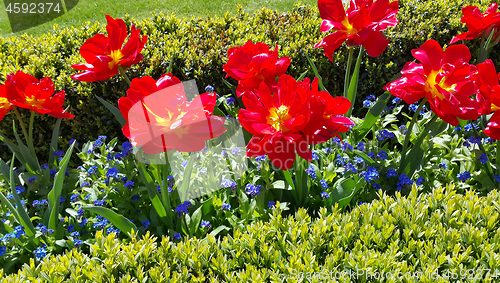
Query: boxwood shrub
(440, 236)
(199, 50)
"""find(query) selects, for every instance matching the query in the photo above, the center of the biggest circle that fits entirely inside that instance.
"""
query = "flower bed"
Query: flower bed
(198, 164)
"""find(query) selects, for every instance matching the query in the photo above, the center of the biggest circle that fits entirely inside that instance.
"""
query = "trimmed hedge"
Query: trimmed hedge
(441, 232)
(199, 48)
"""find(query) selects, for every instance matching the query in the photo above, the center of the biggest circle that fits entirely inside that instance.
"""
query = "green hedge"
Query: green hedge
(199, 47)
(442, 231)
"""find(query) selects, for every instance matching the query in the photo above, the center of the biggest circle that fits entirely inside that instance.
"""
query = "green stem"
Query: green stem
(122, 73)
(23, 126)
(164, 190)
(408, 133)
(483, 51)
(30, 134)
(348, 70)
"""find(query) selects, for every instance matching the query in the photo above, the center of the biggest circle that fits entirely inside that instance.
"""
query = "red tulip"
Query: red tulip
(445, 78)
(287, 122)
(254, 63)
(489, 95)
(25, 91)
(5, 105)
(104, 54)
(360, 24)
(160, 119)
(480, 25)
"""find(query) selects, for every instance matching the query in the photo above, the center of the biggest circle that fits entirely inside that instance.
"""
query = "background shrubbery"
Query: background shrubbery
(199, 48)
(453, 234)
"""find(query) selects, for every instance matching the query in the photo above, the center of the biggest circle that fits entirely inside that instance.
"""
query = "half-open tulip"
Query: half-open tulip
(360, 24)
(25, 91)
(254, 63)
(445, 78)
(489, 94)
(480, 25)
(104, 54)
(160, 119)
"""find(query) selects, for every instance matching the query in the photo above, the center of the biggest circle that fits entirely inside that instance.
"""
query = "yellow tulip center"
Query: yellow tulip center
(349, 29)
(116, 56)
(277, 118)
(432, 82)
(32, 101)
(4, 103)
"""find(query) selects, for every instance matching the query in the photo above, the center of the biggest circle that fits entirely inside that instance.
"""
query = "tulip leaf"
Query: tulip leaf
(114, 110)
(218, 230)
(55, 193)
(416, 154)
(183, 190)
(195, 220)
(344, 190)
(152, 192)
(372, 116)
(316, 73)
(31, 163)
(54, 140)
(116, 219)
(353, 85)
(302, 76)
(485, 181)
(23, 215)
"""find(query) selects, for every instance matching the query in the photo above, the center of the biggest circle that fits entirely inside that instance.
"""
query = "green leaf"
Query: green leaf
(31, 162)
(353, 85)
(195, 221)
(54, 141)
(302, 76)
(183, 190)
(280, 185)
(114, 110)
(56, 191)
(152, 192)
(345, 191)
(116, 219)
(218, 230)
(316, 73)
(373, 115)
(485, 181)
(364, 156)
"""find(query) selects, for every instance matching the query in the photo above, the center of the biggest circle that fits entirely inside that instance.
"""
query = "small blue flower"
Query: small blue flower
(325, 195)
(360, 146)
(370, 174)
(53, 173)
(382, 155)
(127, 146)
(315, 156)
(358, 160)
(340, 160)
(99, 202)
(184, 164)
(271, 204)
(350, 167)
(483, 158)
(403, 181)
(205, 225)
(31, 180)
(74, 197)
(129, 185)
(496, 177)
(45, 166)
(177, 236)
(371, 155)
(311, 172)
(71, 141)
(324, 185)
(112, 172)
(346, 146)
(376, 186)
(371, 97)
(230, 101)
(84, 222)
(252, 190)
(61, 199)
(75, 234)
(40, 252)
(209, 88)
(396, 100)
(443, 165)
(135, 197)
(182, 208)
(81, 212)
(3, 250)
(228, 184)
(77, 243)
(226, 206)
(367, 103)
(489, 140)
(384, 134)
(391, 173)
(19, 231)
(146, 224)
(92, 170)
(464, 176)
(261, 158)
(10, 196)
(327, 150)
(420, 181)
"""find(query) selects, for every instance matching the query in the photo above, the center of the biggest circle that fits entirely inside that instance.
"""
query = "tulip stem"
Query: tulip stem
(408, 135)
(23, 126)
(483, 49)
(348, 70)
(30, 134)
(122, 73)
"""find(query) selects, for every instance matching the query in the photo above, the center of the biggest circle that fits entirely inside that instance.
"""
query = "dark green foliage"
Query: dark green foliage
(452, 234)
(199, 48)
